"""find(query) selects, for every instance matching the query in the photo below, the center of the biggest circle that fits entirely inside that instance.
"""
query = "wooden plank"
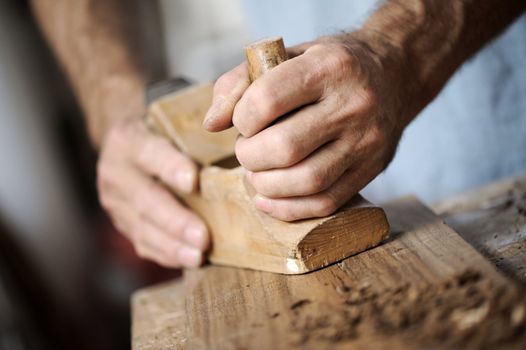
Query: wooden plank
(493, 220)
(236, 308)
(158, 317)
(511, 259)
(425, 262)
(489, 196)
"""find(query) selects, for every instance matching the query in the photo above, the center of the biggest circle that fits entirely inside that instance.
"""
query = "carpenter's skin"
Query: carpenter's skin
(333, 135)
(341, 104)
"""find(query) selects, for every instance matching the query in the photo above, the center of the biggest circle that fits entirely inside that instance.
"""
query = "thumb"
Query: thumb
(228, 90)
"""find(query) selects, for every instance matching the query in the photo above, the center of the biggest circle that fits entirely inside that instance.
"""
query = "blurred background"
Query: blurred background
(65, 274)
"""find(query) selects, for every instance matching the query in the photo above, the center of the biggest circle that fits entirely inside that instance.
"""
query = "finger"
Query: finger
(154, 203)
(312, 175)
(296, 50)
(318, 205)
(154, 244)
(228, 89)
(289, 141)
(165, 212)
(156, 156)
(121, 215)
(292, 84)
(149, 241)
(127, 222)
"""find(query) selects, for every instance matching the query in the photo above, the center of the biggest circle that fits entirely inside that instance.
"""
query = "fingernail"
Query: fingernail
(213, 111)
(196, 236)
(262, 203)
(185, 180)
(190, 257)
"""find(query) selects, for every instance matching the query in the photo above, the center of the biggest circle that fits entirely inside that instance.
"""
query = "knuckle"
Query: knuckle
(340, 59)
(263, 106)
(333, 58)
(119, 136)
(237, 120)
(317, 48)
(149, 148)
(263, 184)
(171, 252)
(314, 180)
(168, 170)
(141, 251)
(242, 153)
(266, 100)
(105, 178)
(287, 150)
(365, 102)
(226, 79)
(312, 77)
(378, 136)
(176, 226)
(142, 199)
(326, 205)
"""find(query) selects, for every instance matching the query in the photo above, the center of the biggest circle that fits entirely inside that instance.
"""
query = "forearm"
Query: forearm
(433, 38)
(100, 45)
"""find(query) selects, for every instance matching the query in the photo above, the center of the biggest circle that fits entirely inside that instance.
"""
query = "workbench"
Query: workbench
(424, 287)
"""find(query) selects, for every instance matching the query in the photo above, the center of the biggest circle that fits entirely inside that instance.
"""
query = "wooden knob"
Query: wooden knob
(263, 55)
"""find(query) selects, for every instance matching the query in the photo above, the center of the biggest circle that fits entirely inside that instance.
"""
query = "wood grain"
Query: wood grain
(493, 220)
(159, 320)
(242, 307)
(235, 308)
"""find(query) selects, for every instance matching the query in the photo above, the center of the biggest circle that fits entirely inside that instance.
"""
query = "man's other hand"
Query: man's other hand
(136, 172)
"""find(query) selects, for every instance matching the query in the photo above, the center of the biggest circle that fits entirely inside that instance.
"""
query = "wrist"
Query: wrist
(117, 98)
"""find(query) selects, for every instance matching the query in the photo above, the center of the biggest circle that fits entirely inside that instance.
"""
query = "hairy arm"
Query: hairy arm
(104, 47)
(344, 100)
(433, 38)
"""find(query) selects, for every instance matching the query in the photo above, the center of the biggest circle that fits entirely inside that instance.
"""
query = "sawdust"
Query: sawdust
(465, 312)
(299, 303)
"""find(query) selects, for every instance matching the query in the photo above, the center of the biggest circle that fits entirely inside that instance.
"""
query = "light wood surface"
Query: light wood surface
(493, 220)
(179, 117)
(230, 308)
(159, 319)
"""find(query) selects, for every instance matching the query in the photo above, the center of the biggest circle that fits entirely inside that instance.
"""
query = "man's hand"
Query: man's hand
(315, 129)
(108, 65)
(319, 127)
(136, 171)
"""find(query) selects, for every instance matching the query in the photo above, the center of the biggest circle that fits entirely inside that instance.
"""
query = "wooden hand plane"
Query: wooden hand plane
(242, 235)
